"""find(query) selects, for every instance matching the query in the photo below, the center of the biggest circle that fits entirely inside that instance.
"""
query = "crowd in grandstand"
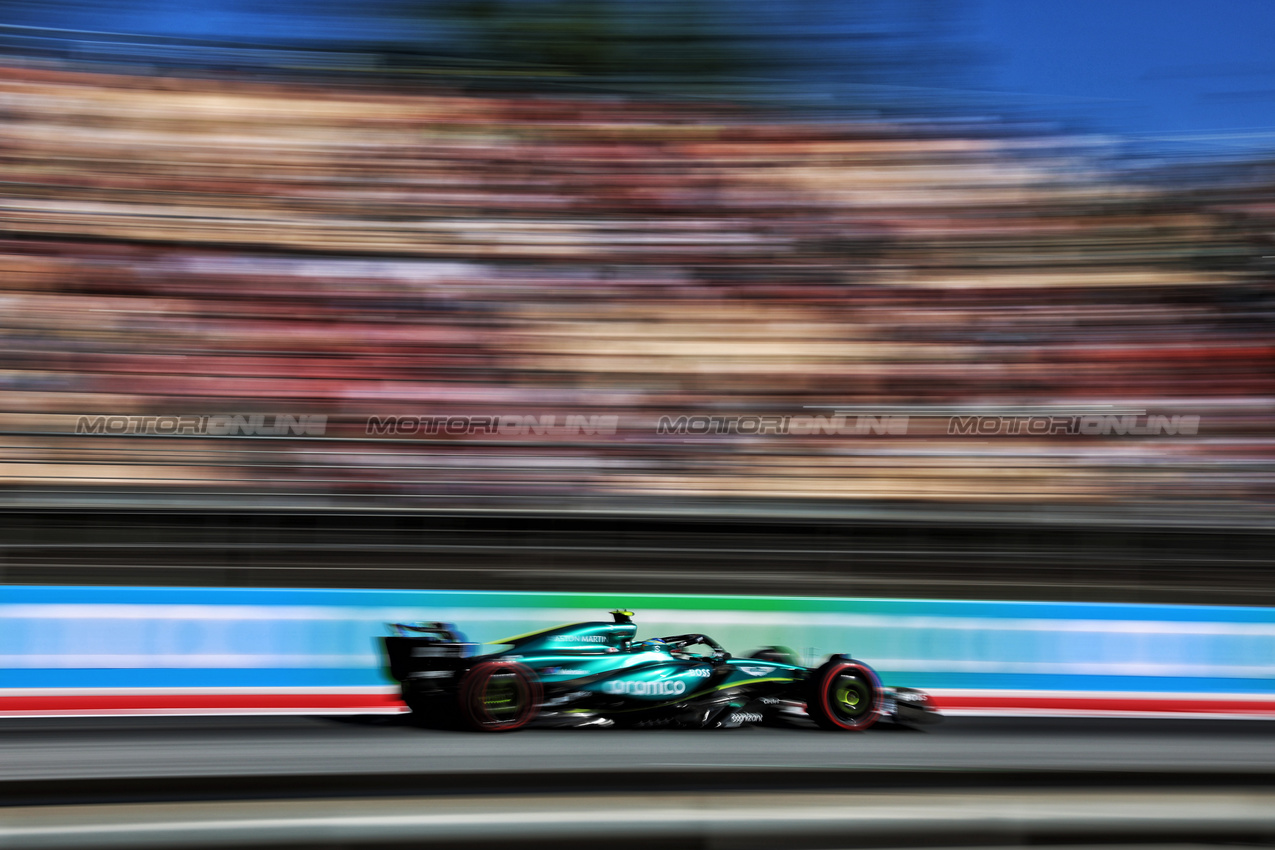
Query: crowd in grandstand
(199, 246)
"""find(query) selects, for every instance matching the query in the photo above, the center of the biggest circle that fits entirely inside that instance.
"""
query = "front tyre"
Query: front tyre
(499, 696)
(845, 696)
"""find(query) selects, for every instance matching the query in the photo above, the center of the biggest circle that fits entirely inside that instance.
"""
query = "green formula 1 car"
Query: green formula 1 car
(597, 674)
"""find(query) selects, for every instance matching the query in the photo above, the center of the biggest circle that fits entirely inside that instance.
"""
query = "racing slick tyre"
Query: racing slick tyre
(499, 696)
(844, 696)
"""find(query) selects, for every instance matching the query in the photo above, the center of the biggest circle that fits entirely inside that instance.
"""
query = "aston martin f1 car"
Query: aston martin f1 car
(596, 673)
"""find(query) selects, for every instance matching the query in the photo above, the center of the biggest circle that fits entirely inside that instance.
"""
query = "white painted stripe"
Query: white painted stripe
(371, 690)
(1000, 693)
(1101, 713)
(961, 623)
(376, 690)
(1160, 669)
(710, 820)
(192, 660)
(114, 611)
(208, 712)
(553, 616)
(369, 660)
(186, 660)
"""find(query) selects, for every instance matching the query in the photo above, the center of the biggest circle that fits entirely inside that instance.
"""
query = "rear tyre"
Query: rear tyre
(499, 696)
(845, 696)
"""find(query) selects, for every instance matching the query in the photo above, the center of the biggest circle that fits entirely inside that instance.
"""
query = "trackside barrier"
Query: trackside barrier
(130, 650)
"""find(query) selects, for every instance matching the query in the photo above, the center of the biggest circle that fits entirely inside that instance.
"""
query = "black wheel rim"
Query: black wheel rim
(850, 698)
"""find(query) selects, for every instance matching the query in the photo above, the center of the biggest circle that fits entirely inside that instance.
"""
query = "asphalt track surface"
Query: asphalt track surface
(101, 748)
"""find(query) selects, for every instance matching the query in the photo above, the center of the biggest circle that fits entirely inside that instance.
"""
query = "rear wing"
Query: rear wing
(426, 647)
(440, 631)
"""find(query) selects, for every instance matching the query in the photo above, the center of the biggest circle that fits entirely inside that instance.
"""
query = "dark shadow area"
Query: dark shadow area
(988, 555)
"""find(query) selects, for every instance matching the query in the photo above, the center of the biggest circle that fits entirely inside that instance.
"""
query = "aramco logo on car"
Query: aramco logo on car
(664, 688)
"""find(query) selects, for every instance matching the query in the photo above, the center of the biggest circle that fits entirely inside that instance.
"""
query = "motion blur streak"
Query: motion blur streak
(111, 651)
(316, 317)
(699, 819)
(303, 251)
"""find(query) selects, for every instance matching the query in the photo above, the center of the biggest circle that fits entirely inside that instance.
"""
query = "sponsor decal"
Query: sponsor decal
(564, 671)
(578, 639)
(745, 717)
(757, 671)
(646, 689)
(702, 672)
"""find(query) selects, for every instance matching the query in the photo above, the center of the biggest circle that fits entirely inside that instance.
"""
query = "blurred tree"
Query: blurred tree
(596, 38)
(876, 56)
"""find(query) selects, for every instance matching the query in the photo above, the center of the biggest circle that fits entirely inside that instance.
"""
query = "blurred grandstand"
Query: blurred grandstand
(186, 247)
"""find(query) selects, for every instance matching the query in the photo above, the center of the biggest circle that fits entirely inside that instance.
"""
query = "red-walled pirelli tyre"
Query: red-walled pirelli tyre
(844, 696)
(499, 696)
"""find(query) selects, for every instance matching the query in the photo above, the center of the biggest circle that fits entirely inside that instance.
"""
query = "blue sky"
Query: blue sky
(1154, 67)
(1146, 68)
